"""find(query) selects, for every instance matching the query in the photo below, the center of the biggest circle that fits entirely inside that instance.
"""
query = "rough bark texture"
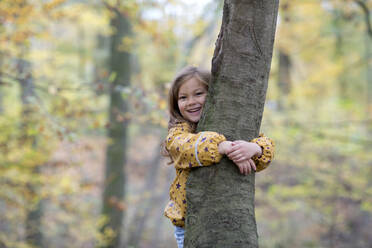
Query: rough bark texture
(220, 200)
(114, 184)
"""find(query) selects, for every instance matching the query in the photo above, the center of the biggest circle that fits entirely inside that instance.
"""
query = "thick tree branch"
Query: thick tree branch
(113, 9)
(366, 15)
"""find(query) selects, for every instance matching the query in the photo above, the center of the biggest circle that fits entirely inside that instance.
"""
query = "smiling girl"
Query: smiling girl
(188, 149)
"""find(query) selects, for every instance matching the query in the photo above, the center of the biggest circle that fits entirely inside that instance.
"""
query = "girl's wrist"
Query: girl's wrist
(259, 150)
(223, 147)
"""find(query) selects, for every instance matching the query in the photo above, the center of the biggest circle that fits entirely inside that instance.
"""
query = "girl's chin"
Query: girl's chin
(193, 119)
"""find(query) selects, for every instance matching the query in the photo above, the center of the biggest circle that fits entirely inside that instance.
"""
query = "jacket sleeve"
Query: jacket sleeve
(193, 149)
(268, 149)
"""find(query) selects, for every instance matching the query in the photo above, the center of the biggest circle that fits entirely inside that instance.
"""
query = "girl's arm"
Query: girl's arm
(195, 149)
(260, 150)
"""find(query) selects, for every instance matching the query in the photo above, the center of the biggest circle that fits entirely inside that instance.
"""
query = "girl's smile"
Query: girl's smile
(191, 99)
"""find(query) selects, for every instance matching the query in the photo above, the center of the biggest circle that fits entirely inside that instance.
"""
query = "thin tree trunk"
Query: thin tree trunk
(142, 214)
(220, 210)
(339, 54)
(284, 78)
(115, 180)
(34, 214)
(100, 63)
(284, 66)
(368, 55)
(82, 55)
(161, 201)
(1, 88)
(212, 24)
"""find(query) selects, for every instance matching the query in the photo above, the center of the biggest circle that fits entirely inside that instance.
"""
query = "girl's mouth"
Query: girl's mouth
(194, 111)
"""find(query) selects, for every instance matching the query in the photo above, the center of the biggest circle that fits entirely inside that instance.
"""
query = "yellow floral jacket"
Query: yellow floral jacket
(189, 150)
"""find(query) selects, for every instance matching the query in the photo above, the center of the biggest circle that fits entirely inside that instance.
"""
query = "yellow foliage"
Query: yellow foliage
(162, 104)
(53, 4)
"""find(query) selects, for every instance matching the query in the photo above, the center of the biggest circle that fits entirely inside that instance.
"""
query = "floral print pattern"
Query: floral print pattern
(189, 150)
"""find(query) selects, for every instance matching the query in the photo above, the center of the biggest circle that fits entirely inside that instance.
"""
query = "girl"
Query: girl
(188, 149)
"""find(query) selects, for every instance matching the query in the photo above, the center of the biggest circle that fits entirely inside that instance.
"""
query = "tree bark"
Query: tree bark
(220, 210)
(115, 180)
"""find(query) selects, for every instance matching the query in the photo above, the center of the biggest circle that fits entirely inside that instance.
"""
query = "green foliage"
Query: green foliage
(317, 192)
(318, 185)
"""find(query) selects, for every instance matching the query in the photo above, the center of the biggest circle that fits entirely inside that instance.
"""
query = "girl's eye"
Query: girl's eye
(182, 98)
(199, 93)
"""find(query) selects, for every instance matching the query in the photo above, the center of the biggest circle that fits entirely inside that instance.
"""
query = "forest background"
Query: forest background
(55, 82)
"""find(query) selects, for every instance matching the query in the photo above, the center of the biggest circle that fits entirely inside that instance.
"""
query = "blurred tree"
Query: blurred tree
(138, 223)
(28, 121)
(34, 213)
(368, 52)
(220, 210)
(212, 9)
(115, 179)
(284, 66)
(1, 88)
(339, 23)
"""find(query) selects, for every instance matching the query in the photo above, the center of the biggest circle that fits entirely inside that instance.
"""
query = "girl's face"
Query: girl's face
(191, 98)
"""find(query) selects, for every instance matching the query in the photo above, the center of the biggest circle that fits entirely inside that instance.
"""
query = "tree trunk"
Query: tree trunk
(1, 88)
(143, 211)
(82, 54)
(34, 213)
(207, 31)
(114, 183)
(220, 200)
(368, 55)
(339, 54)
(157, 234)
(284, 78)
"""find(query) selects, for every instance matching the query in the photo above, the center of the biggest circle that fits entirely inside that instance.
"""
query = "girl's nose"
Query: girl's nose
(191, 101)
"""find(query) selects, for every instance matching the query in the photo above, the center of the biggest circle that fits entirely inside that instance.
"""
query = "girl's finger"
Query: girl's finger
(248, 167)
(236, 142)
(239, 160)
(234, 153)
(253, 165)
(244, 169)
(241, 169)
(233, 149)
(233, 157)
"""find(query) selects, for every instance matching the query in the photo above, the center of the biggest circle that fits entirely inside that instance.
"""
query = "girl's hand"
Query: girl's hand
(225, 147)
(242, 150)
(246, 166)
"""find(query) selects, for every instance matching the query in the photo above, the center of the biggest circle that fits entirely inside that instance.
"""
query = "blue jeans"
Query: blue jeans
(179, 233)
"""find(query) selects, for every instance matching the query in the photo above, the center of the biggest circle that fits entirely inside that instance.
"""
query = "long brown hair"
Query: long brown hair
(175, 116)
